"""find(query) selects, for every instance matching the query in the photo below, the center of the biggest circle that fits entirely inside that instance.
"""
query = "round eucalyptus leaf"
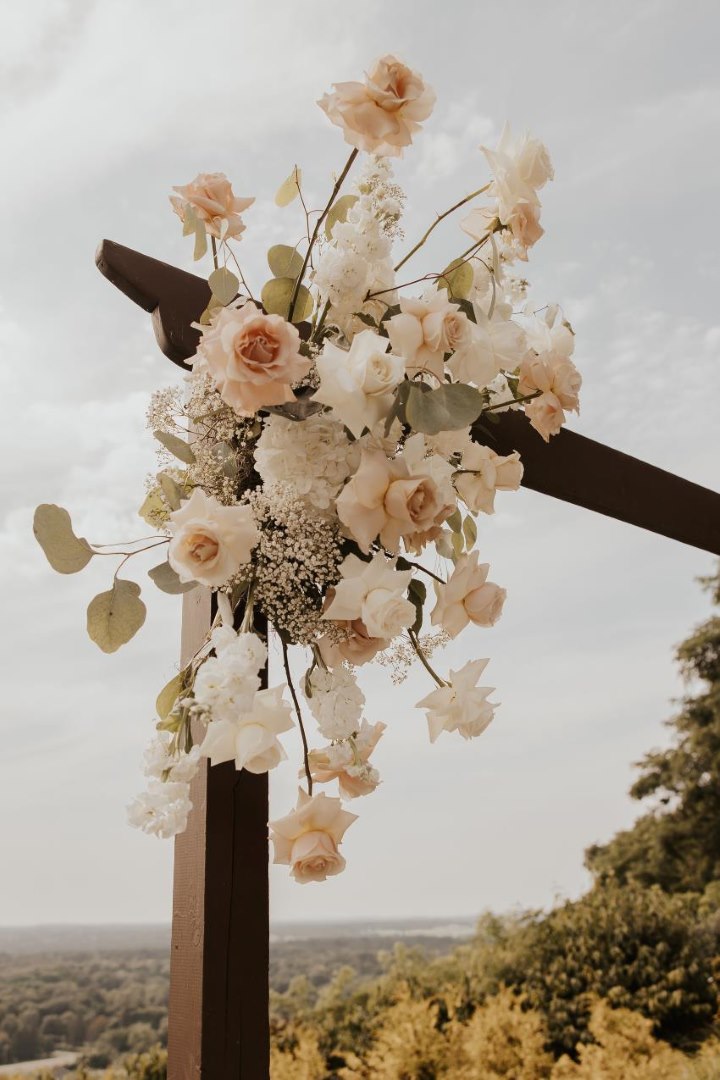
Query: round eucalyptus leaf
(224, 285)
(168, 581)
(339, 212)
(284, 261)
(66, 552)
(277, 294)
(115, 616)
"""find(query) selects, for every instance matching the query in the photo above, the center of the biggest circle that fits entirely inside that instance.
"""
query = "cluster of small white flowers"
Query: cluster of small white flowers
(296, 560)
(401, 656)
(162, 809)
(359, 255)
(336, 701)
(165, 405)
(226, 683)
(311, 458)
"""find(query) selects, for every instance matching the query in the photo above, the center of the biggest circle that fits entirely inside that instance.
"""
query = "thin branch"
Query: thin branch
(437, 221)
(306, 752)
(424, 660)
(316, 230)
(425, 570)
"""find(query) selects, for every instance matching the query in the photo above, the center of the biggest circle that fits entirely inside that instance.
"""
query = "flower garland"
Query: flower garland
(331, 440)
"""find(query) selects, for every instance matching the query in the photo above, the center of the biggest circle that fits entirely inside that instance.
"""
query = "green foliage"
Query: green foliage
(115, 616)
(677, 843)
(177, 446)
(224, 285)
(168, 581)
(284, 261)
(448, 408)
(277, 294)
(66, 552)
(290, 188)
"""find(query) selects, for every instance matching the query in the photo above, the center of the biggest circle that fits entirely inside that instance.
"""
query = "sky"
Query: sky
(103, 107)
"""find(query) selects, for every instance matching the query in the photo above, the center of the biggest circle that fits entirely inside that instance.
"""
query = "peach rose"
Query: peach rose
(253, 358)
(211, 197)
(385, 499)
(307, 839)
(482, 473)
(467, 597)
(426, 330)
(357, 647)
(348, 762)
(210, 541)
(382, 114)
(524, 224)
(546, 415)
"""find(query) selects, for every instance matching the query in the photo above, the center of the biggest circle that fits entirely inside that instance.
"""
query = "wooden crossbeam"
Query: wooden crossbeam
(218, 1022)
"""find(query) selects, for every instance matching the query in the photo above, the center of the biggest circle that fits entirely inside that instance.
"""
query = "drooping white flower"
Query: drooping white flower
(250, 738)
(307, 839)
(348, 762)
(162, 810)
(482, 473)
(358, 383)
(311, 457)
(374, 592)
(461, 705)
(336, 701)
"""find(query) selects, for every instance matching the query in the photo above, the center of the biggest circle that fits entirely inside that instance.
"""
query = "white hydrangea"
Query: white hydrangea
(226, 684)
(162, 810)
(312, 458)
(336, 701)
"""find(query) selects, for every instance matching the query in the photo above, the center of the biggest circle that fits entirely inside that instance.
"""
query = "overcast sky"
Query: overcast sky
(103, 106)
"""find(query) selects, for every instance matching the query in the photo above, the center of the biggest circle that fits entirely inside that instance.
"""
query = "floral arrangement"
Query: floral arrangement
(332, 438)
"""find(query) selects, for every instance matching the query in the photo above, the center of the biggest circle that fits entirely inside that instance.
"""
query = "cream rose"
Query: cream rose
(347, 762)
(495, 345)
(482, 473)
(382, 114)
(358, 383)
(356, 647)
(467, 597)
(426, 330)
(524, 224)
(253, 358)
(373, 592)
(546, 415)
(210, 541)
(307, 839)
(211, 197)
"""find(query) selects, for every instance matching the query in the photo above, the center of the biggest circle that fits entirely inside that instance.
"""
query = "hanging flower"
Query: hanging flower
(461, 705)
(250, 738)
(483, 472)
(307, 839)
(348, 762)
(467, 597)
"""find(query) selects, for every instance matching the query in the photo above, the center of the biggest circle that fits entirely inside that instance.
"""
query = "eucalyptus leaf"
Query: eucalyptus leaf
(115, 616)
(168, 581)
(177, 447)
(458, 543)
(171, 490)
(277, 294)
(454, 522)
(153, 508)
(448, 408)
(284, 261)
(458, 279)
(224, 285)
(470, 531)
(226, 459)
(66, 552)
(339, 212)
(170, 723)
(397, 410)
(169, 694)
(289, 189)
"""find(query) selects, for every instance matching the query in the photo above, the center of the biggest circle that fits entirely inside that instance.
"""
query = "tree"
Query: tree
(676, 844)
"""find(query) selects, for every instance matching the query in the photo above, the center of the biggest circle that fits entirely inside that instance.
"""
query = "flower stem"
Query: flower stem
(419, 566)
(505, 404)
(423, 658)
(214, 252)
(316, 230)
(437, 221)
(306, 752)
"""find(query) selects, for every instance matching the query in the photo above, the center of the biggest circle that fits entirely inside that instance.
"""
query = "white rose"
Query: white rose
(386, 614)
(358, 383)
(210, 541)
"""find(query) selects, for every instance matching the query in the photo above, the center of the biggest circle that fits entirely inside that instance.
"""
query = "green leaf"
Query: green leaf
(454, 521)
(178, 447)
(470, 531)
(339, 212)
(224, 285)
(458, 279)
(226, 459)
(200, 241)
(168, 581)
(113, 617)
(169, 694)
(66, 552)
(448, 408)
(170, 723)
(400, 397)
(284, 261)
(152, 509)
(417, 594)
(289, 189)
(171, 490)
(277, 294)
(458, 543)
